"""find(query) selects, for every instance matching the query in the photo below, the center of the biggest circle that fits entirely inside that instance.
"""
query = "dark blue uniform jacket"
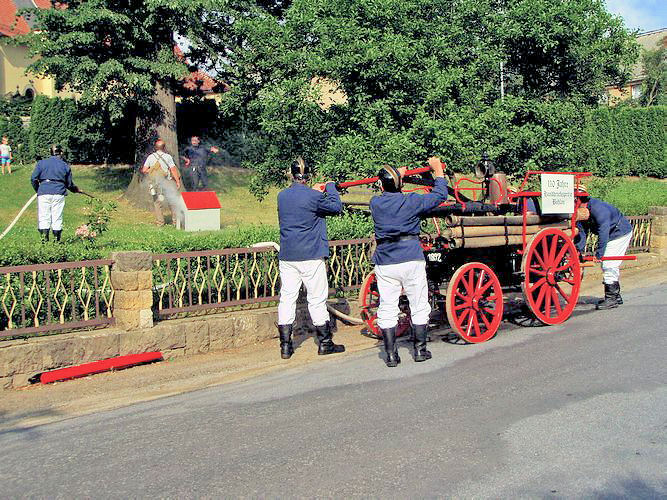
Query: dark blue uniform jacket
(398, 214)
(606, 221)
(52, 176)
(198, 156)
(301, 213)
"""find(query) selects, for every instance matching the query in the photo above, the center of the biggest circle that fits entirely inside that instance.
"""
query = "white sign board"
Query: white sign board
(557, 194)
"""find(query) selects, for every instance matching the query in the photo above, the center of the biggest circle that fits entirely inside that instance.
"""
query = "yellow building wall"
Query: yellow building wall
(616, 94)
(13, 62)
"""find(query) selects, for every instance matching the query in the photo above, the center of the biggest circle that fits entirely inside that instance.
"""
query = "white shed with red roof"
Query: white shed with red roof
(202, 211)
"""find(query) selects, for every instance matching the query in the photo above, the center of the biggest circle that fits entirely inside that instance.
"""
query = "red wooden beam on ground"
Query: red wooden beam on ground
(104, 365)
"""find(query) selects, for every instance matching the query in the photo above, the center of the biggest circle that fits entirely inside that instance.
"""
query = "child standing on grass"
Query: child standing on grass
(6, 155)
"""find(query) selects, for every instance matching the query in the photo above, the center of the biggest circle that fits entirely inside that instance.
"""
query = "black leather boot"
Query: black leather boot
(609, 301)
(389, 339)
(421, 353)
(619, 299)
(324, 338)
(57, 234)
(286, 347)
(45, 234)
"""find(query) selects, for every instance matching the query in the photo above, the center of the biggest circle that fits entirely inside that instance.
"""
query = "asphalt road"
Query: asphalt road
(568, 411)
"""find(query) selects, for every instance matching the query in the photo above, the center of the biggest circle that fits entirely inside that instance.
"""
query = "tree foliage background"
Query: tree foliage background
(654, 88)
(119, 55)
(422, 77)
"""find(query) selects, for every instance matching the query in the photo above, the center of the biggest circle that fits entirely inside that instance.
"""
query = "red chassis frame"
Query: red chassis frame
(546, 255)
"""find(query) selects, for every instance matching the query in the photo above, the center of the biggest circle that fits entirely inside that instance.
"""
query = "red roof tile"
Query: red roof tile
(200, 200)
(198, 80)
(10, 25)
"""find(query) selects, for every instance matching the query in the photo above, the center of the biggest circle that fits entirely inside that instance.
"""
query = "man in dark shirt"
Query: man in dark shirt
(303, 249)
(196, 158)
(51, 180)
(614, 233)
(399, 258)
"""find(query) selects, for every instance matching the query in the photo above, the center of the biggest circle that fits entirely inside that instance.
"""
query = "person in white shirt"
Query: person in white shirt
(163, 174)
(5, 155)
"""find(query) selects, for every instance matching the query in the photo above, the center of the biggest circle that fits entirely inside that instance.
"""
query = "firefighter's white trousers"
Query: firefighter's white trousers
(50, 211)
(611, 271)
(313, 274)
(409, 277)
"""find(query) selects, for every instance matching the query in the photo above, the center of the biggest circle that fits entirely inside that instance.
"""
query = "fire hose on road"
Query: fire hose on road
(335, 312)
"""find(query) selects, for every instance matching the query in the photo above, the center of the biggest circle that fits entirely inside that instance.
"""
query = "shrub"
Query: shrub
(24, 247)
(86, 134)
(11, 125)
(626, 141)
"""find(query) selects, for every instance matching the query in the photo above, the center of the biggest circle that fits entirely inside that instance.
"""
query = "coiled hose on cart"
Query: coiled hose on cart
(340, 315)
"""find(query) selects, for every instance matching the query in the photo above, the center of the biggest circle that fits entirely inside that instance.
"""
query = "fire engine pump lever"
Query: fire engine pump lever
(371, 180)
(589, 258)
(408, 173)
(590, 261)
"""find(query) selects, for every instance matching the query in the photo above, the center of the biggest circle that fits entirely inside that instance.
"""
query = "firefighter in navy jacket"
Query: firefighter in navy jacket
(303, 250)
(399, 259)
(614, 234)
(51, 180)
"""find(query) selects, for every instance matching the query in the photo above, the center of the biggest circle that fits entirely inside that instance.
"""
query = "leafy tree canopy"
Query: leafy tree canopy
(654, 88)
(421, 77)
(116, 52)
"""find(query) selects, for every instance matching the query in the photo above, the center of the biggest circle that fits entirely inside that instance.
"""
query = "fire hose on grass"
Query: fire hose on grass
(25, 207)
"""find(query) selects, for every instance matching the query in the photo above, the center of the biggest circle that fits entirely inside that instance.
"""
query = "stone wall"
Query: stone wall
(21, 360)
(132, 280)
(658, 230)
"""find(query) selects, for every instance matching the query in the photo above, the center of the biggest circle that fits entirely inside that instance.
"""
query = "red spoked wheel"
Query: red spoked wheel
(369, 301)
(552, 276)
(474, 302)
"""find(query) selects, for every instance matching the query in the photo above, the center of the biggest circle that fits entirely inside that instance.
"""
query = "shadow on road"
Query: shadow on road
(10, 423)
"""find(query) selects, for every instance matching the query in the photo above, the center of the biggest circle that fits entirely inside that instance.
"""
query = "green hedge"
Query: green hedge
(11, 125)
(23, 246)
(89, 137)
(626, 141)
(81, 131)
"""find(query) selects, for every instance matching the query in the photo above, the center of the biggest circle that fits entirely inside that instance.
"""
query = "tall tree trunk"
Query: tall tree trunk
(158, 123)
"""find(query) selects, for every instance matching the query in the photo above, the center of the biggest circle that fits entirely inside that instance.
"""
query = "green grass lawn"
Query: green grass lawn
(239, 207)
(244, 219)
(632, 196)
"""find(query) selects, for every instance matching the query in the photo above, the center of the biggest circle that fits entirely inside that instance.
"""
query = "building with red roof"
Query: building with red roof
(14, 60)
(198, 82)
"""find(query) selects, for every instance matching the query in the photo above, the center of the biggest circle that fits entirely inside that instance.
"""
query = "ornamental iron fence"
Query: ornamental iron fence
(213, 279)
(641, 235)
(44, 298)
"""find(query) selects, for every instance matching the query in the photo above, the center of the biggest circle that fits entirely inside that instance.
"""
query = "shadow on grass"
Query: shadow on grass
(110, 178)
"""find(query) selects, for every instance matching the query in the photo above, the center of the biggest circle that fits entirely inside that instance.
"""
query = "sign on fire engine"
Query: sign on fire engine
(557, 194)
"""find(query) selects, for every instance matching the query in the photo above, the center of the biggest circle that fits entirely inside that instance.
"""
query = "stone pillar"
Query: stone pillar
(658, 230)
(132, 279)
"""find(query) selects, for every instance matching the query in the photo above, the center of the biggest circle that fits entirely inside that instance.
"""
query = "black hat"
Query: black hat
(300, 170)
(56, 149)
(391, 179)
